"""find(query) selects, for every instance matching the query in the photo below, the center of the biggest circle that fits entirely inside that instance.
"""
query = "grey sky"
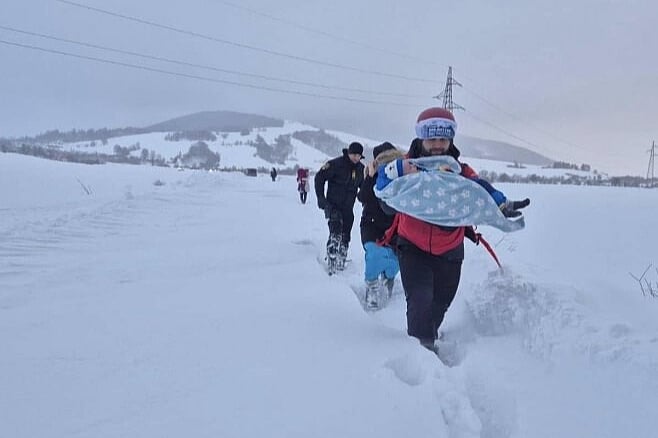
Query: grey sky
(575, 81)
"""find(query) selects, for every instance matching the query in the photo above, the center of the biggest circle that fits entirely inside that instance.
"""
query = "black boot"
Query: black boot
(430, 345)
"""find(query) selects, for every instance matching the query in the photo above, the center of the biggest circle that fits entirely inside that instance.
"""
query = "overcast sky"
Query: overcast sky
(575, 81)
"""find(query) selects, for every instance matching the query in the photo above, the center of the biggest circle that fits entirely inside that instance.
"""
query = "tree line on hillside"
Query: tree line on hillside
(200, 135)
(276, 153)
(320, 140)
(568, 179)
(199, 156)
(77, 135)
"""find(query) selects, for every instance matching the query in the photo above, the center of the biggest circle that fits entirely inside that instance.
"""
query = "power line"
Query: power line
(245, 46)
(498, 108)
(497, 128)
(202, 78)
(390, 52)
(326, 34)
(271, 52)
(206, 67)
(446, 94)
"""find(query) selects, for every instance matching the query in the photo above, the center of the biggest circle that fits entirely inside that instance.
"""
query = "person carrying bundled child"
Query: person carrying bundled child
(438, 200)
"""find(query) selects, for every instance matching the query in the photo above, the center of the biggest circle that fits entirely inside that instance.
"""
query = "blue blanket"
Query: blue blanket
(438, 194)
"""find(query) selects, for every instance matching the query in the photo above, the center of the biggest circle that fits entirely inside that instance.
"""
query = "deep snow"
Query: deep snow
(198, 308)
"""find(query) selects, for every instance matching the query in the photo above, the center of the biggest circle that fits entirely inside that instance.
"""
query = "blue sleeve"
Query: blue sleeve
(498, 196)
(382, 179)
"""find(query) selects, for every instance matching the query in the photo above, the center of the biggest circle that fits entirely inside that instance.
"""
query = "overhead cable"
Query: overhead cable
(202, 78)
(309, 29)
(206, 67)
(246, 46)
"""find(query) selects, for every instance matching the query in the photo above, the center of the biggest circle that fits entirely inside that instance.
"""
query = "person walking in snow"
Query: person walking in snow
(273, 174)
(302, 184)
(381, 263)
(343, 176)
(430, 255)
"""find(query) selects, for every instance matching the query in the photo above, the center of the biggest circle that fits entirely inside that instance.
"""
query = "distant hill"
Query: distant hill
(229, 121)
(500, 151)
(207, 125)
(220, 121)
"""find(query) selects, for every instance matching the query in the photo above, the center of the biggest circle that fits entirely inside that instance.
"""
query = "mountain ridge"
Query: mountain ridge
(222, 121)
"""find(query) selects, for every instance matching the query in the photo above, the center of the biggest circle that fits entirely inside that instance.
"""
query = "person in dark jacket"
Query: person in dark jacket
(273, 174)
(381, 263)
(342, 176)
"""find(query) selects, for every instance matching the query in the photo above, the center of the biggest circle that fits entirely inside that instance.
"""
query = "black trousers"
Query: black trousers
(340, 221)
(430, 284)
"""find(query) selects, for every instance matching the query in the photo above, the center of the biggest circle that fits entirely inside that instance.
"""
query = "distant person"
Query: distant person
(302, 184)
(342, 176)
(430, 255)
(381, 263)
(273, 174)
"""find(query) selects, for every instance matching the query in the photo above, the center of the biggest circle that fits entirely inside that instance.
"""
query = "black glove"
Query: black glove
(510, 208)
(472, 235)
(322, 203)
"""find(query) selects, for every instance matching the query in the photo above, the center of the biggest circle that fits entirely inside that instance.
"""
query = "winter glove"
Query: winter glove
(322, 203)
(510, 208)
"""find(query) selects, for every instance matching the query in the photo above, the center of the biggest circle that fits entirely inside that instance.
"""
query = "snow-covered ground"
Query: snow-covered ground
(198, 308)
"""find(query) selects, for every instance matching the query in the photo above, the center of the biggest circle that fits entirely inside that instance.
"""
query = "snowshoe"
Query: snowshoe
(372, 295)
(332, 265)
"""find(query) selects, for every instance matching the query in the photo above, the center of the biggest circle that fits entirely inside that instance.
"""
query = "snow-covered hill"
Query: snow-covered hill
(237, 150)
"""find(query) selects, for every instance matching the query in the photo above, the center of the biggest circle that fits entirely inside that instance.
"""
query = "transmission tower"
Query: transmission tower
(650, 169)
(446, 94)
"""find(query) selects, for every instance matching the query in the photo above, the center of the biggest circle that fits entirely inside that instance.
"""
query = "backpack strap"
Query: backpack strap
(477, 238)
(390, 232)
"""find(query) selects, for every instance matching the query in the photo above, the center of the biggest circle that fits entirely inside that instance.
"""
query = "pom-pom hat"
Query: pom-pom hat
(436, 123)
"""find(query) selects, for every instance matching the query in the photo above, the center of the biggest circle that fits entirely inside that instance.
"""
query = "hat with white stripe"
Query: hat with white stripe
(435, 122)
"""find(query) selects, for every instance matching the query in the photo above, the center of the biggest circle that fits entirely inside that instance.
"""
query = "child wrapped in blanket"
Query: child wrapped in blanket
(389, 171)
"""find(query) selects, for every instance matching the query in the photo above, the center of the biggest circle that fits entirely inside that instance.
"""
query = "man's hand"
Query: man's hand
(369, 170)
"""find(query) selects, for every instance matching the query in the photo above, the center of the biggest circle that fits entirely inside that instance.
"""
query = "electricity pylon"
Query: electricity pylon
(650, 169)
(446, 94)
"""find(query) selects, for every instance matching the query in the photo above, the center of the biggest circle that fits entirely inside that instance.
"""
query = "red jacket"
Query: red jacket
(428, 237)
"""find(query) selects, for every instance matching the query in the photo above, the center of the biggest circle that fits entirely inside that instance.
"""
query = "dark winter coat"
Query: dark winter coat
(374, 221)
(343, 180)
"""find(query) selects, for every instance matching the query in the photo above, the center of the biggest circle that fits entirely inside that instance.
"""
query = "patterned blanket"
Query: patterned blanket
(440, 195)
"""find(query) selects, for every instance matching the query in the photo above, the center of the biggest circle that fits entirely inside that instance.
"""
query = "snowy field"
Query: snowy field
(198, 308)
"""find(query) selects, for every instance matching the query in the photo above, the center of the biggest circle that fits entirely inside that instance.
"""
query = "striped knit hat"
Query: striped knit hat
(435, 123)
